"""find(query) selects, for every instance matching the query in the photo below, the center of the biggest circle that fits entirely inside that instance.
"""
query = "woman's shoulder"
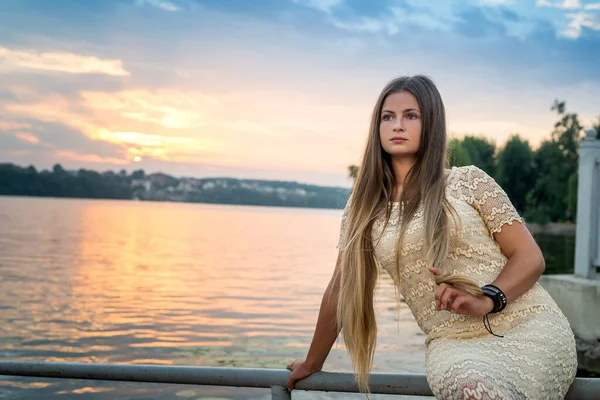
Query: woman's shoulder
(467, 173)
(455, 174)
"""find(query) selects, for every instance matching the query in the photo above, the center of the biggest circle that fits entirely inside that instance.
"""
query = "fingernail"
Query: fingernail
(437, 303)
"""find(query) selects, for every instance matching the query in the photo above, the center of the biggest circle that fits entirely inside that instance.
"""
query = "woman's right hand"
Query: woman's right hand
(300, 370)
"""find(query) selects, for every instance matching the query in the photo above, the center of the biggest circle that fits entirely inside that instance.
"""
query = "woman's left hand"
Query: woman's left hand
(458, 301)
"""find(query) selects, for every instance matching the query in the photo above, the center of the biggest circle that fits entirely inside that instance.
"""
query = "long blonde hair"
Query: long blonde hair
(372, 193)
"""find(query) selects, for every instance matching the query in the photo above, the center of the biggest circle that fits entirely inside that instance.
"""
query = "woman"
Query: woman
(458, 252)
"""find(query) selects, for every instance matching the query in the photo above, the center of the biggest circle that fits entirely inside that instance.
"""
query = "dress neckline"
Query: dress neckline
(450, 174)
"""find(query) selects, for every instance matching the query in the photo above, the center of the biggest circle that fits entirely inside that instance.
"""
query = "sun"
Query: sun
(137, 158)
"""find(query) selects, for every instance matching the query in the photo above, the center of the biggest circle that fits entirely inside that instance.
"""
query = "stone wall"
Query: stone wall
(579, 300)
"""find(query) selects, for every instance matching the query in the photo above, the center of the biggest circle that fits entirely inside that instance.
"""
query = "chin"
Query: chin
(401, 153)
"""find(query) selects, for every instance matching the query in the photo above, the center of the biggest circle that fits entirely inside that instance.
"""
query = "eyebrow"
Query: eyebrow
(405, 110)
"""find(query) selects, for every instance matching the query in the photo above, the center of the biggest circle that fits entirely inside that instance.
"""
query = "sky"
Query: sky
(276, 89)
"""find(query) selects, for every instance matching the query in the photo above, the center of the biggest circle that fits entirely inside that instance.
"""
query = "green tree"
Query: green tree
(515, 171)
(352, 171)
(481, 152)
(458, 156)
(554, 197)
(545, 202)
(139, 174)
(58, 170)
(567, 132)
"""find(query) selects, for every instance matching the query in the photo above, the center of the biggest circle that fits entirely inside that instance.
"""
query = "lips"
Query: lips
(398, 139)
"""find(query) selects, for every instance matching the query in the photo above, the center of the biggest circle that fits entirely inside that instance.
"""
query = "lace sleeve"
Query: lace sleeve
(343, 226)
(491, 201)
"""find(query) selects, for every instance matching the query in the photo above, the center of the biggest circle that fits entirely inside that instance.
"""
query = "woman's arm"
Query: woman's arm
(326, 332)
(522, 270)
(525, 260)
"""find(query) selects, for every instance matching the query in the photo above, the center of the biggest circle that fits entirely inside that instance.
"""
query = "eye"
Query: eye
(412, 116)
(387, 117)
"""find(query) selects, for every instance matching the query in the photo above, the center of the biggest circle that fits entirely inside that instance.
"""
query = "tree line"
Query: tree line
(83, 183)
(541, 183)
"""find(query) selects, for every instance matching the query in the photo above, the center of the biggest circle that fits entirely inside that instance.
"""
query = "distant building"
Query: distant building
(186, 185)
(159, 179)
(146, 184)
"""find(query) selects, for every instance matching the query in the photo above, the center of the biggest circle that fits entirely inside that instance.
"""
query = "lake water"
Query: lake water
(170, 283)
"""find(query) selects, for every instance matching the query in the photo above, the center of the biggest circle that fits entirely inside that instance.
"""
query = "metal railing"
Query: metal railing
(276, 379)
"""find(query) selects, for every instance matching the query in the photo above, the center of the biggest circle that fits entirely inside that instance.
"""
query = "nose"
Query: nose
(399, 127)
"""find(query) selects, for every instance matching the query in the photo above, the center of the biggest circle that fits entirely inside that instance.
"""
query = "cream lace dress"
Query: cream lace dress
(536, 358)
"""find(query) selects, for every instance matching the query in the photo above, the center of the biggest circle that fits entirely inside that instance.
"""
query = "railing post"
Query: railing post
(587, 239)
(280, 393)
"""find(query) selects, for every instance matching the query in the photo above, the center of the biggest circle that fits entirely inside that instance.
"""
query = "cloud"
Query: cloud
(88, 158)
(60, 62)
(508, 15)
(565, 4)
(160, 147)
(53, 108)
(367, 25)
(393, 19)
(579, 21)
(138, 123)
(168, 108)
(577, 15)
(12, 125)
(26, 137)
(325, 6)
(162, 4)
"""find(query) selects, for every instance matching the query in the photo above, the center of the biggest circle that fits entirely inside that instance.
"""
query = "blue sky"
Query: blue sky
(277, 89)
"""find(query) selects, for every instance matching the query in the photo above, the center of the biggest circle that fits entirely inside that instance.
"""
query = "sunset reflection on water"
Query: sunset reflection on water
(165, 283)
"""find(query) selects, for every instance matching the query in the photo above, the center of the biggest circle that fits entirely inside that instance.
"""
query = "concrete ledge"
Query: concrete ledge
(579, 300)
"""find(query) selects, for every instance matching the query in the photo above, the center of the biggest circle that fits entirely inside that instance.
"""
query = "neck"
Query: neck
(401, 167)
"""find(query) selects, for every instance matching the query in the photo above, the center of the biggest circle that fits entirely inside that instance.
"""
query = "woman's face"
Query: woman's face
(400, 125)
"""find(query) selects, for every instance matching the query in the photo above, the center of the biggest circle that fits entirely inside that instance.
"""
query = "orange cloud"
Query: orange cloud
(105, 127)
(11, 125)
(254, 129)
(27, 138)
(140, 139)
(160, 147)
(245, 129)
(90, 158)
(54, 108)
(167, 108)
(59, 61)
